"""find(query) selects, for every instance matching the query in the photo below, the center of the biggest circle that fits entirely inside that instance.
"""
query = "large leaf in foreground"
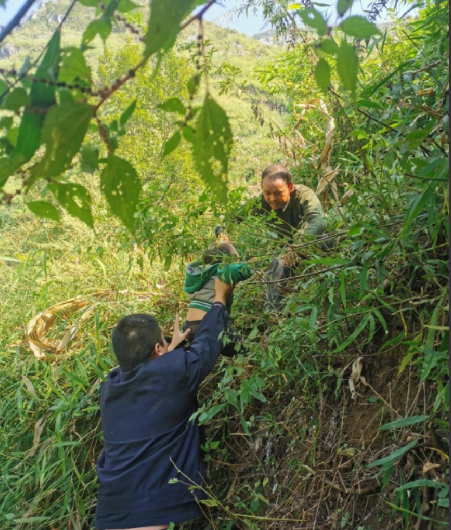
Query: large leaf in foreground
(347, 65)
(41, 96)
(75, 199)
(359, 27)
(212, 143)
(63, 132)
(164, 23)
(121, 187)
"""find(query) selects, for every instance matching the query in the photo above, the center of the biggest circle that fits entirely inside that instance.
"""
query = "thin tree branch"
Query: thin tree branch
(198, 16)
(16, 20)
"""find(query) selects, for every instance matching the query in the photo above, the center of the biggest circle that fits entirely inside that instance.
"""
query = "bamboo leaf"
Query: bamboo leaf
(390, 460)
(353, 335)
(421, 483)
(403, 422)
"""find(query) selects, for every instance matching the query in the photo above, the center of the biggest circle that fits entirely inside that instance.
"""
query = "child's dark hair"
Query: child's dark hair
(216, 252)
(134, 338)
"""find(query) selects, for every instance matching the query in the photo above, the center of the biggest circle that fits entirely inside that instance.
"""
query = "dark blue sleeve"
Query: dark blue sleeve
(203, 352)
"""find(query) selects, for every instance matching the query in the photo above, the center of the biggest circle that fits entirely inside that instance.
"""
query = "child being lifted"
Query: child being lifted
(220, 260)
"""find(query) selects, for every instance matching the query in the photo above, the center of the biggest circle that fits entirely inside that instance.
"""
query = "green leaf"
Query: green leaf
(390, 460)
(172, 144)
(6, 122)
(413, 349)
(15, 99)
(121, 186)
(164, 24)
(44, 209)
(173, 105)
(343, 6)
(403, 422)
(366, 103)
(89, 158)
(416, 206)
(347, 64)
(322, 75)
(420, 483)
(359, 27)
(314, 19)
(63, 132)
(189, 134)
(415, 138)
(126, 115)
(126, 5)
(372, 89)
(9, 165)
(76, 200)
(89, 3)
(330, 262)
(29, 137)
(212, 144)
(193, 84)
(353, 335)
(100, 26)
(42, 95)
(74, 66)
(111, 7)
(329, 46)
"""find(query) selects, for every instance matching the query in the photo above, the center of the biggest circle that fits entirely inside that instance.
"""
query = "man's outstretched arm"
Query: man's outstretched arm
(204, 351)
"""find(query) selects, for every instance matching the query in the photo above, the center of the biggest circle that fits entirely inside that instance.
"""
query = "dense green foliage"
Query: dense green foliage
(293, 440)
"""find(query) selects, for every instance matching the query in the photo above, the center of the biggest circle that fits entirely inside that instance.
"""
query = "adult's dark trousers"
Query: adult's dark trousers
(278, 270)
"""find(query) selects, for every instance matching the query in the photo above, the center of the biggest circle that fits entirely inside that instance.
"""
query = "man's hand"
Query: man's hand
(222, 291)
(289, 258)
(177, 336)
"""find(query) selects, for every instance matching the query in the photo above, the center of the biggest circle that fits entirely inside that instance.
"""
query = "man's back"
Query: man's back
(147, 433)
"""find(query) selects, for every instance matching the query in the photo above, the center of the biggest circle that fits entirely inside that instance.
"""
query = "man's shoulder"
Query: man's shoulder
(302, 191)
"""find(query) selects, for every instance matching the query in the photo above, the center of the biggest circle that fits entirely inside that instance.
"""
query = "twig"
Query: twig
(198, 16)
(16, 20)
(347, 491)
(308, 275)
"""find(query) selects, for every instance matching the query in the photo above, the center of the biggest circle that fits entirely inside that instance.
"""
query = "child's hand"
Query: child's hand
(178, 336)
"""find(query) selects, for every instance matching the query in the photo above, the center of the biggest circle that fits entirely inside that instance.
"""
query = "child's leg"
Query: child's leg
(193, 325)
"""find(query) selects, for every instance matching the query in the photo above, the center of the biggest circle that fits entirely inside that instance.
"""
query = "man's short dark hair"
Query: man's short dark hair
(277, 171)
(134, 339)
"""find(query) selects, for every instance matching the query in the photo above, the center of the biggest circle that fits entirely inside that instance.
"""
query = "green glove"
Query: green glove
(234, 273)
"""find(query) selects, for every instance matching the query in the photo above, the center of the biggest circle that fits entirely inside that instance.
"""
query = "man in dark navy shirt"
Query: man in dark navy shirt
(145, 407)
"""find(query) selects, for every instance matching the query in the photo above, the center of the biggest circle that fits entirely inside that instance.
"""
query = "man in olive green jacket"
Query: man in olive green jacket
(297, 212)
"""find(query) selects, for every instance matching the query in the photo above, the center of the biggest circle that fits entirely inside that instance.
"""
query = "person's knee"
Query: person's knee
(277, 269)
